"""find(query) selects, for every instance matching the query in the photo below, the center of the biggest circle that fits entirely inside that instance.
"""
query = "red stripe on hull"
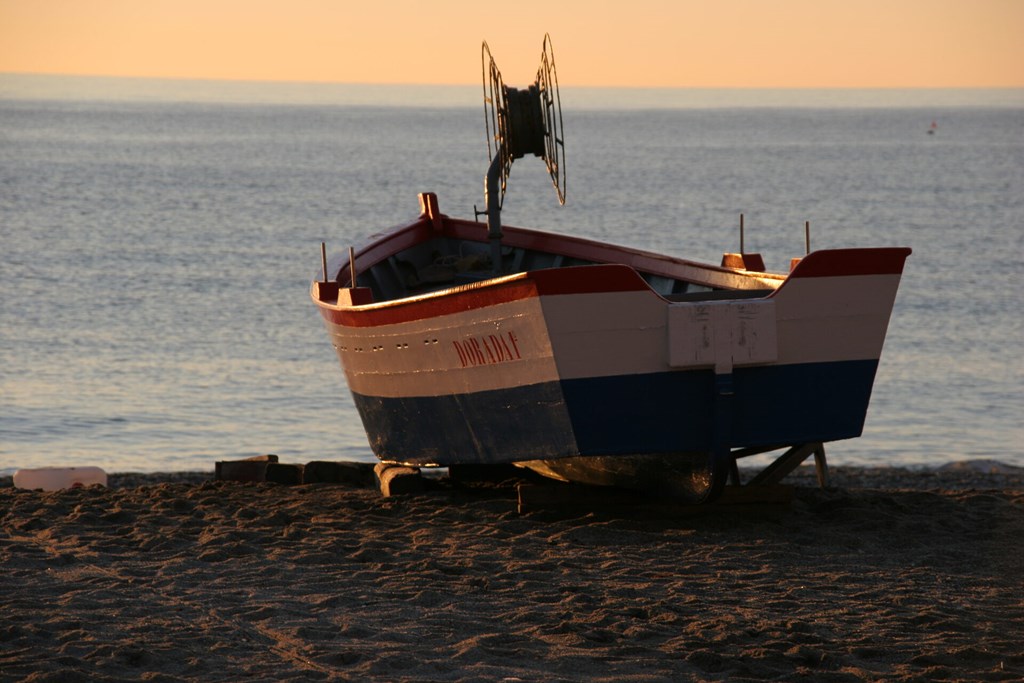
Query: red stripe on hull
(446, 302)
(839, 262)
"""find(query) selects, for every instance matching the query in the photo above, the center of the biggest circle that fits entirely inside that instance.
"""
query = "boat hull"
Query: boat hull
(590, 361)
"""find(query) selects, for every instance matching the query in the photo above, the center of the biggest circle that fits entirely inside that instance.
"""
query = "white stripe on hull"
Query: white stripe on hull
(822, 319)
(826, 319)
(575, 336)
(607, 334)
(500, 346)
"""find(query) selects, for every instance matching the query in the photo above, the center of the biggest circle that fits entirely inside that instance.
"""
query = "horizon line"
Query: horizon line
(51, 87)
(404, 84)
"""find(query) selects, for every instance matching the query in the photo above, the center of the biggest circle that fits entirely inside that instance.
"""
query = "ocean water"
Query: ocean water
(156, 247)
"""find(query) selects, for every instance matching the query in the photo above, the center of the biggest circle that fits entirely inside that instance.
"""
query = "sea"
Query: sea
(158, 238)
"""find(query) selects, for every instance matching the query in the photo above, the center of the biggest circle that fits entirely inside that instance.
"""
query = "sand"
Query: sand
(890, 575)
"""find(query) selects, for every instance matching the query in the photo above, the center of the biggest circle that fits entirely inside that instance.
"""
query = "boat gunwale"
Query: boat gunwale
(380, 246)
(432, 224)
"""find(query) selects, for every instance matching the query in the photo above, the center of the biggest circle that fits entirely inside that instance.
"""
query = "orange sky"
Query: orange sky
(651, 43)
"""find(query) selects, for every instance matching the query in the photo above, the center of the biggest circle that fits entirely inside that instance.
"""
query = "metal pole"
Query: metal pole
(492, 197)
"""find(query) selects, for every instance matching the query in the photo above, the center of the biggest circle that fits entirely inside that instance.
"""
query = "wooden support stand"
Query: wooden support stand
(396, 480)
(789, 461)
(267, 468)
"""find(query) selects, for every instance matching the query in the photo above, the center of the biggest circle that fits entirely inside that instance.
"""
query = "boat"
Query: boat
(465, 343)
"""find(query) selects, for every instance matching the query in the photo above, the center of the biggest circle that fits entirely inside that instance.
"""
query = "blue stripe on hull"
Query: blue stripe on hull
(653, 413)
(668, 412)
(485, 427)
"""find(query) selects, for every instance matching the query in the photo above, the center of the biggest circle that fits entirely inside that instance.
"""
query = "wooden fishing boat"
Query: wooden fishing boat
(470, 344)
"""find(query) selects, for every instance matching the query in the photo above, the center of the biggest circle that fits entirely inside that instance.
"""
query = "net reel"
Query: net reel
(520, 122)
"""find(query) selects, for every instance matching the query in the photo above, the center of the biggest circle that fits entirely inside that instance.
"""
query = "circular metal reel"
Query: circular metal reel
(495, 116)
(551, 103)
(529, 121)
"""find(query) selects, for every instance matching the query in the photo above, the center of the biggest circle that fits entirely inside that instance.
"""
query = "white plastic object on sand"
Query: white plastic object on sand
(54, 478)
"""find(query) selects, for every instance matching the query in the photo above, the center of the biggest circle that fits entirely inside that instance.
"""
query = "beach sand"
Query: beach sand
(889, 575)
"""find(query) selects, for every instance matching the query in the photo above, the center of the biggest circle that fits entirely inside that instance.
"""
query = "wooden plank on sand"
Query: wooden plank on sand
(396, 480)
(282, 473)
(250, 469)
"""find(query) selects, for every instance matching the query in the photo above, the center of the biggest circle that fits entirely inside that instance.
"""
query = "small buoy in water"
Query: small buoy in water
(56, 478)
(932, 128)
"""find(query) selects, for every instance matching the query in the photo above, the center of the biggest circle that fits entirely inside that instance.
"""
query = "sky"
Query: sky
(640, 43)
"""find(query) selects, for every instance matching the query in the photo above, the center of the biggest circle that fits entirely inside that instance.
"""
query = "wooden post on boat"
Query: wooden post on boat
(742, 250)
(326, 290)
(795, 261)
(743, 259)
(353, 295)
